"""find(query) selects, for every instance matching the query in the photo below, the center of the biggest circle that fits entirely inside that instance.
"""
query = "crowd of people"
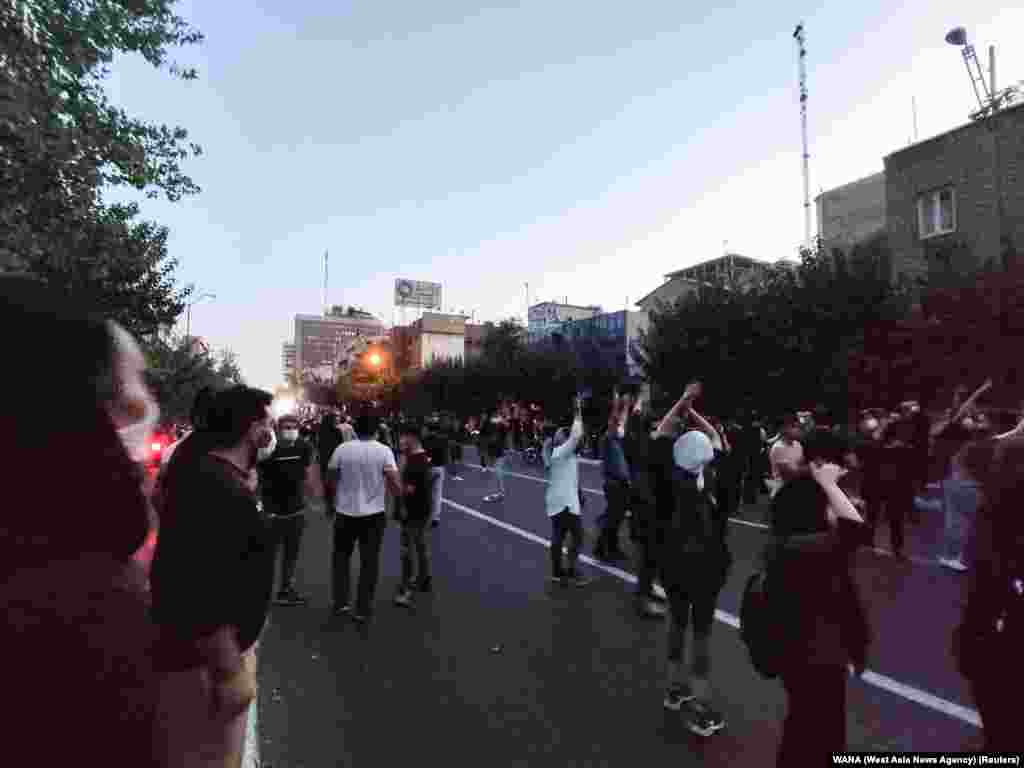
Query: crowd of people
(161, 652)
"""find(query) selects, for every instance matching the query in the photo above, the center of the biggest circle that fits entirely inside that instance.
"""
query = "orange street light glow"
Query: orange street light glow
(374, 359)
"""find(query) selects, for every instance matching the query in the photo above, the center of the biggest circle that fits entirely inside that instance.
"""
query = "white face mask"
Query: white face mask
(290, 435)
(135, 437)
(267, 451)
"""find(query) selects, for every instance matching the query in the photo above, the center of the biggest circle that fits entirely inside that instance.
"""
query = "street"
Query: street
(499, 667)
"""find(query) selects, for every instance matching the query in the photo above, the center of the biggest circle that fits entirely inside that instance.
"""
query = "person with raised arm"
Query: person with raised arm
(616, 482)
(562, 501)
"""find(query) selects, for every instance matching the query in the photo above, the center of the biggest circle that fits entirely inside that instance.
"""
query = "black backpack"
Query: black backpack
(761, 629)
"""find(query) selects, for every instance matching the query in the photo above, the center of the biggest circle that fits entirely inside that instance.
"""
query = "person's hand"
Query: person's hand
(692, 392)
(826, 473)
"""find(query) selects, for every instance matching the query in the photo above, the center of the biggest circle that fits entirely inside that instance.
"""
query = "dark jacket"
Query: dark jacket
(328, 439)
(810, 576)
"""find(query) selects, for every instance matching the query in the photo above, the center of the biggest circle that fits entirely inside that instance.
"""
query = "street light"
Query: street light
(188, 313)
(375, 360)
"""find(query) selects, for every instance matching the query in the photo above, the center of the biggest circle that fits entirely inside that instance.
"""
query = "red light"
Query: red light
(156, 447)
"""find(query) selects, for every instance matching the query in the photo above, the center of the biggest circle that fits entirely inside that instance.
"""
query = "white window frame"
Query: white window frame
(931, 199)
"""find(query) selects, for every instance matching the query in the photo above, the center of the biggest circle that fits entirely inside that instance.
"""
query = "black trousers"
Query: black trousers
(815, 724)
(369, 533)
(564, 524)
(644, 531)
(896, 500)
(287, 533)
(616, 494)
(993, 693)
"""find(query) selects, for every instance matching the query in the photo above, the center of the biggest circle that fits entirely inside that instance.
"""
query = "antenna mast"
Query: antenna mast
(798, 35)
(326, 312)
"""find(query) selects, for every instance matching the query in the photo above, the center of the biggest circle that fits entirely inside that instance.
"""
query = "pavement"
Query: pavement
(498, 667)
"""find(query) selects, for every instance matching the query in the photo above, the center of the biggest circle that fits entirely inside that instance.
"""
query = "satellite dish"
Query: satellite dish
(957, 36)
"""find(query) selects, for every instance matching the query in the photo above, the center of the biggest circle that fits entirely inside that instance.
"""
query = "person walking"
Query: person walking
(562, 500)
(287, 479)
(417, 479)
(359, 473)
(438, 449)
(496, 444)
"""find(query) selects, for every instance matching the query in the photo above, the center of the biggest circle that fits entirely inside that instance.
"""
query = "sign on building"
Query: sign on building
(417, 293)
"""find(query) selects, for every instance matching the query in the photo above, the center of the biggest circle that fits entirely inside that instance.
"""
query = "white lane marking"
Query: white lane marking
(916, 695)
(597, 492)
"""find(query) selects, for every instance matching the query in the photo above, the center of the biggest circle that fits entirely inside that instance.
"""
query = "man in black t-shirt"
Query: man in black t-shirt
(438, 448)
(416, 487)
(284, 480)
(213, 565)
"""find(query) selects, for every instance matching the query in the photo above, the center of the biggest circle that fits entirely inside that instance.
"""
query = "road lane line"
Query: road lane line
(909, 692)
(597, 492)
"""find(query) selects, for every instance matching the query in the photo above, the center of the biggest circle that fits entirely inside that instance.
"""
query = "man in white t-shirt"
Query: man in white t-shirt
(359, 474)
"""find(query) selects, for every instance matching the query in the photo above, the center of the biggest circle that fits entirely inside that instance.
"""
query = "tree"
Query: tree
(63, 143)
(176, 374)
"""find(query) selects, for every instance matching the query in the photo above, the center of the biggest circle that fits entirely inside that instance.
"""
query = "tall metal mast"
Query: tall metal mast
(798, 35)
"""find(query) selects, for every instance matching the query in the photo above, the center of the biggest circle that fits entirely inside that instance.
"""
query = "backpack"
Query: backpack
(760, 629)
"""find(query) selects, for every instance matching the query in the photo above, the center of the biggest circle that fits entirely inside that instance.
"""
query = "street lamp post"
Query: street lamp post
(188, 314)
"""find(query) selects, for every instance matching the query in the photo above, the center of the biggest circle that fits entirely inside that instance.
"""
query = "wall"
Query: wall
(851, 213)
(963, 159)
(438, 346)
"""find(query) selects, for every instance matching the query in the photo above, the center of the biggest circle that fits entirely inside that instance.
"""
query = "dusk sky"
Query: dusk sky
(584, 148)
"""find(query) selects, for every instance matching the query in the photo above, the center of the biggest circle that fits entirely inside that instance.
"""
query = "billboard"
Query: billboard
(417, 293)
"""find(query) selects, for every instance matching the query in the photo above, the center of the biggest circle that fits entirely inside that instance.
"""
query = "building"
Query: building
(955, 203)
(547, 317)
(287, 360)
(435, 337)
(475, 336)
(731, 269)
(611, 338)
(318, 338)
(850, 215)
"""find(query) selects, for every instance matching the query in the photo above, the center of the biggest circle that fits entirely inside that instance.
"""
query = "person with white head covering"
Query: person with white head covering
(695, 561)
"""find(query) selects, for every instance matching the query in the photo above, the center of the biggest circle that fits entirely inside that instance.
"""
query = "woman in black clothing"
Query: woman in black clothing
(817, 530)
(988, 641)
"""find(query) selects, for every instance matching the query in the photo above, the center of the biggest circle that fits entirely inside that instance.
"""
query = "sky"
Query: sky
(582, 148)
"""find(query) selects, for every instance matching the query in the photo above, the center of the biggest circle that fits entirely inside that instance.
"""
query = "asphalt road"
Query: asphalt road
(500, 668)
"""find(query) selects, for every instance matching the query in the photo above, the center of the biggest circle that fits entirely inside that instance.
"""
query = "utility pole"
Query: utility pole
(798, 35)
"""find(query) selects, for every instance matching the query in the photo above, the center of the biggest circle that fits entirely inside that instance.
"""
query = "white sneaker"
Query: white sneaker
(956, 565)
(404, 598)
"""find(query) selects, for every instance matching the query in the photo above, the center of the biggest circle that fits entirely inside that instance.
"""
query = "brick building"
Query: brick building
(941, 196)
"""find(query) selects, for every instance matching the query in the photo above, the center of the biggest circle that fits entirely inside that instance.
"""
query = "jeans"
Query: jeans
(563, 524)
(500, 467)
(287, 532)
(616, 495)
(437, 475)
(815, 724)
(369, 532)
(415, 552)
(960, 504)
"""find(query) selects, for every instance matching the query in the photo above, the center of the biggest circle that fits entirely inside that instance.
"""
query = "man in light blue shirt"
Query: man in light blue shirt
(563, 503)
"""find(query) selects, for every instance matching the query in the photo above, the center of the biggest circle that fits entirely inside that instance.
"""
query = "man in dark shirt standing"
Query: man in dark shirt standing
(616, 484)
(213, 570)
(438, 449)
(416, 487)
(285, 479)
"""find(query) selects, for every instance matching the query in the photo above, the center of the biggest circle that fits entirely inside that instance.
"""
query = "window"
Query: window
(936, 212)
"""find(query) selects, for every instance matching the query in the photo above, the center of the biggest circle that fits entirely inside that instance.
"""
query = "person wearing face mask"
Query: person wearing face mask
(288, 478)
(213, 571)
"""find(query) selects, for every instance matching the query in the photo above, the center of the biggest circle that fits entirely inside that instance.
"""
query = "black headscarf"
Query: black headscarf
(61, 453)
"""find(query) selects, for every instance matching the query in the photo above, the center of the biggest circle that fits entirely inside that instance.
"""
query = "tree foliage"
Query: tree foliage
(62, 143)
(785, 342)
(176, 374)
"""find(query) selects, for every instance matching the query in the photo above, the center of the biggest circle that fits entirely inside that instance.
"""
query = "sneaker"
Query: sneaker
(703, 720)
(676, 696)
(341, 610)
(404, 598)
(561, 581)
(425, 585)
(955, 564)
(494, 497)
(359, 618)
(580, 581)
(458, 477)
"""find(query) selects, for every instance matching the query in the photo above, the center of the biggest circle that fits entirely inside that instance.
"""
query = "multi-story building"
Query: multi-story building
(475, 336)
(955, 202)
(609, 338)
(850, 215)
(318, 338)
(547, 318)
(287, 360)
(731, 269)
